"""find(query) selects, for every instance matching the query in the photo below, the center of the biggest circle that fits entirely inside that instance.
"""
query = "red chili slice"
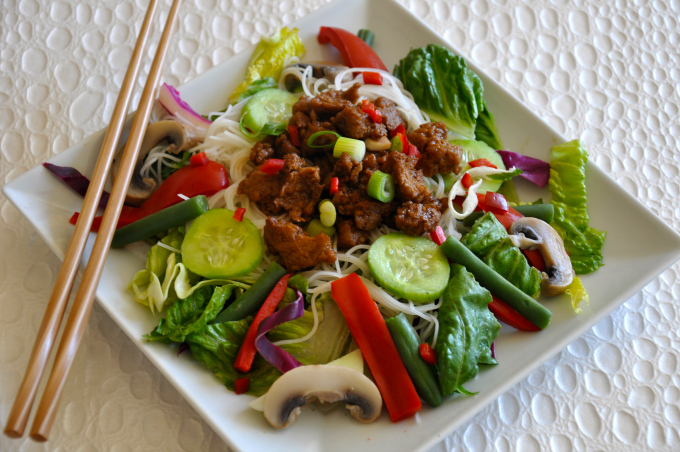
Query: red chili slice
(335, 185)
(496, 201)
(199, 159)
(242, 385)
(482, 162)
(272, 166)
(535, 258)
(372, 78)
(507, 315)
(397, 130)
(428, 354)
(294, 135)
(438, 235)
(467, 180)
(238, 215)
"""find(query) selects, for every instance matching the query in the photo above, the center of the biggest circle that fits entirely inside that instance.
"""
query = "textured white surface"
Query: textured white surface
(606, 74)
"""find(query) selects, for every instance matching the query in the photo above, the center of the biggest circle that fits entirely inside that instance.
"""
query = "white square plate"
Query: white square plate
(638, 247)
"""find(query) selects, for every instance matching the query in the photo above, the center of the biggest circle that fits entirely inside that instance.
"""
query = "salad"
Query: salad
(338, 213)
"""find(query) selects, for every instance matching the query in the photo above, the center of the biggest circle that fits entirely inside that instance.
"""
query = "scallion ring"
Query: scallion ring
(327, 213)
(310, 140)
(315, 227)
(355, 148)
(381, 187)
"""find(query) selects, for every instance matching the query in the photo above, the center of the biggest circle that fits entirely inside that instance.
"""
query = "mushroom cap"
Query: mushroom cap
(290, 393)
(559, 273)
(179, 139)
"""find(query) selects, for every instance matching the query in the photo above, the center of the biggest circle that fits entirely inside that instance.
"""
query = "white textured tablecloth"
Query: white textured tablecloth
(607, 74)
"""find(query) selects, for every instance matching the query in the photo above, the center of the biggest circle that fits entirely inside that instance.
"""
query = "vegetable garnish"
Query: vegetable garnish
(274, 354)
(381, 186)
(314, 136)
(482, 162)
(171, 101)
(272, 166)
(238, 214)
(496, 284)
(356, 149)
(199, 159)
(437, 235)
(354, 51)
(267, 113)
(568, 188)
(246, 353)
(315, 227)
(428, 354)
(413, 151)
(372, 78)
(294, 135)
(269, 57)
(371, 334)
(545, 212)
(533, 170)
(424, 376)
(242, 385)
(366, 35)
(368, 108)
(161, 221)
(535, 259)
(467, 181)
(466, 331)
(335, 185)
(509, 316)
(190, 181)
(76, 181)
(496, 201)
(327, 213)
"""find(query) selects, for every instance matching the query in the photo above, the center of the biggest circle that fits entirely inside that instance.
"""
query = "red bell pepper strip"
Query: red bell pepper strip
(482, 162)
(294, 135)
(372, 78)
(199, 159)
(242, 385)
(467, 181)
(535, 258)
(354, 51)
(397, 130)
(496, 201)
(368, 108)
(505, 218)
(438, 235)
(189, 181)
(238, 215)
(428, 354)
(272, 166)
(247, 352)
(335, 185)
(507, 315)
(370, 332)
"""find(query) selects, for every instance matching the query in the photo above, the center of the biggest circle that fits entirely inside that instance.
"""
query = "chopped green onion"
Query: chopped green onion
(327, 210)
(381, 187)
(355, 148)
(315, 227)
(310, 140)
(397, 145)
(367, 36)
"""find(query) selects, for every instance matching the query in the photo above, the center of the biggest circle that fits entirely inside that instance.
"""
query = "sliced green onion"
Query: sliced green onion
(355, 148)
(381, 187)
(367, 36)
(315, 227)
(310, 140)
(328, 215)
(397, 144)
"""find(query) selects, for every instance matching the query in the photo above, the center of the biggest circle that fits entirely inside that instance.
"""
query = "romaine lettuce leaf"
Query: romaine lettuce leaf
(269, 57)
(466, 330)
(486, 130)
(578, 294)
(489, 241)
(568, 187)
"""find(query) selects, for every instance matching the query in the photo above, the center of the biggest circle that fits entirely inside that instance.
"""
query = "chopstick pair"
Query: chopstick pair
(82, 305)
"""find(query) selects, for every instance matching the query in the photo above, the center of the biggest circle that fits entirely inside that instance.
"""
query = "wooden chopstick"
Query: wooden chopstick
(16, 423)
(82, 305)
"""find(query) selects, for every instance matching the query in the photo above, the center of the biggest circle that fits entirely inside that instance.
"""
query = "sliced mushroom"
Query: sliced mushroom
(559, 273)
(290, 393)
(179, 139)
(381, 144)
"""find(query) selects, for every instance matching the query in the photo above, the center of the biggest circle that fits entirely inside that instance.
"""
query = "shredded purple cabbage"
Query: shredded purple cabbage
(493, 350)
(182, 348)
(534, 170)
(277, 356)
(76, 181)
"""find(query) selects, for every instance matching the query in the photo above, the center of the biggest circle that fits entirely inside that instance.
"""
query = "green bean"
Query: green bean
(251, 300)
(367, 36)
(168, 218)
(545, 212)
(423, 375)
(496, 284)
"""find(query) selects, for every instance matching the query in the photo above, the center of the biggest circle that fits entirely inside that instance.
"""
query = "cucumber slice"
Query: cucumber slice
(480, 150)
(218, 247)
(267, 112)
(409, 267)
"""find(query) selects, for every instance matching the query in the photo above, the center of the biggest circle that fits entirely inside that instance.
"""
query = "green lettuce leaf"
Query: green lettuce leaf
(466, 330)
(568, 187)
(489, 241)
(578, 294)
(191, 314)
(443, 87)
(486, 130)
(269, 57)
